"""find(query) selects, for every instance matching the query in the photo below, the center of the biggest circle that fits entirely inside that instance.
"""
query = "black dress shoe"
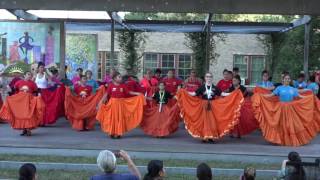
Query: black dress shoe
(24, 132)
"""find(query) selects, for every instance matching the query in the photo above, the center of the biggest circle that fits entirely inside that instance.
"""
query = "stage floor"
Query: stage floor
(61, 136)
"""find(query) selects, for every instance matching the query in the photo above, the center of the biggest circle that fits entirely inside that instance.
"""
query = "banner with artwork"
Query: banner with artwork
(81, 52)
(30, 42)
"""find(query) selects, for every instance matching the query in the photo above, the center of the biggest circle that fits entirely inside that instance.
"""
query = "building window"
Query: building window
(150, 62)
(182, 63)
(167, 63)
(184, 66)
(250, 67)
(104, 62)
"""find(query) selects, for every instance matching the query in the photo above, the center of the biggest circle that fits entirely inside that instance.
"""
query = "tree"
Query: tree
(285, 51)
(131, 43)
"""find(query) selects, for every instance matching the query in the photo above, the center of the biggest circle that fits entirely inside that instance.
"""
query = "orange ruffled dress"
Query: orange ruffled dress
(23, 110)
(121, 115)
(161, 124)
(214, 123)
(78, 109)
(287, 123)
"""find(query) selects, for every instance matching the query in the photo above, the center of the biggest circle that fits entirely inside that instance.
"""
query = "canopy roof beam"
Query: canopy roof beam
(22, 14)
(287, 7)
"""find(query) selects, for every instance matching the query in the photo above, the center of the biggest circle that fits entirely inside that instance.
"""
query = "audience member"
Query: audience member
(155, 170)
(107, 162)
(249, 173)
(204, 172)
(28, 171)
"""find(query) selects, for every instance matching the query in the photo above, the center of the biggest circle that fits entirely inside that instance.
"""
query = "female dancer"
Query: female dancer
(288, 122)
(91, 82)
(81, 109)
(41, 78)
(23, 110)
(265, 83)
(209, 118)
(192, 83)
(120, 114)
(149, 83)
(225, 83)
(247, 121)
(171, 83)
(162, 119)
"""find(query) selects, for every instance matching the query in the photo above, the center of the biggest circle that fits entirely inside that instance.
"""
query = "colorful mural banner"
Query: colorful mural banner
(30, 42)
(81, 52)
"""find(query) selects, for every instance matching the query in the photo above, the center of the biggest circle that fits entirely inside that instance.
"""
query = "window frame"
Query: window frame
(160, 60)
(249, 78)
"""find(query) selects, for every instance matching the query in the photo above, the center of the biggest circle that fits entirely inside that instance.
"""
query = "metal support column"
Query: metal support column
(306, 49)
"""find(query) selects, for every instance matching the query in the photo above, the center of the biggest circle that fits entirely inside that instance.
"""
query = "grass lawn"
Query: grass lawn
(84, 175)
(140, 162)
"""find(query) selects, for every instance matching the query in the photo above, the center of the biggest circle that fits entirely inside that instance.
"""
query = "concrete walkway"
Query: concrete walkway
(60, 139)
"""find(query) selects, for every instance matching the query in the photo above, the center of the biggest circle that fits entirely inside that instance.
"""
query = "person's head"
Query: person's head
(155, 170)
(193, 73)
(83, 79)
(148, 74)
(230, 75)
(283, 74)
(40, 67)
(249, 173)
(312, 78)
(28, 171)
(208, 77)
(294, 157)
(158, 72)
(79, 71)
(265, 75)
(116, 77)
(107, 161)
(27, 75)
(286, 80)
(170, 73)
(301, 77)
(89, 74)
(236, 80)
(161, 86)
(225, 74)
(204, 172)
(54, 72)
(235, 71)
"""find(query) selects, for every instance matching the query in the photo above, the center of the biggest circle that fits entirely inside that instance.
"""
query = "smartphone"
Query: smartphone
(117, 153)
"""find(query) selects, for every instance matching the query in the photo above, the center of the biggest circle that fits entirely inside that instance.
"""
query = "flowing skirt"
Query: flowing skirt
(161, 124)
(247, 122)
(54, 103)
(212, 123)
(81, 112)
(121, 115)
(287, 123)
(23, 111)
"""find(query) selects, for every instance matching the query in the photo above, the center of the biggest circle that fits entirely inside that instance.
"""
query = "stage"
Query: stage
(61, 136)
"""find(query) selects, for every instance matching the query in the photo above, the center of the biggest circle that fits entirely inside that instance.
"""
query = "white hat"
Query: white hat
(106, 161)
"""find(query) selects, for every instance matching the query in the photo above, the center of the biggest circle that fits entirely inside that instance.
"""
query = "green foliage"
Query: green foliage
(197, 42)
(81, 47)
(285, 51)
(202, 17)
(131, 42)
